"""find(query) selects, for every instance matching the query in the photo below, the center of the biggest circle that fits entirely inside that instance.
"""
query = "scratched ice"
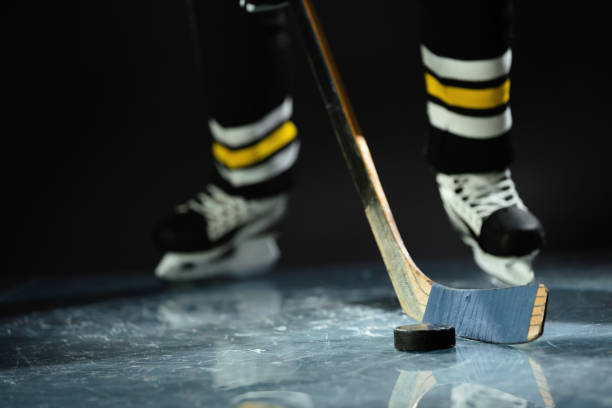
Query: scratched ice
(302, 338)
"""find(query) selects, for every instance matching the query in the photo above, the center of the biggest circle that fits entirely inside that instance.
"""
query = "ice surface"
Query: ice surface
(296, 338)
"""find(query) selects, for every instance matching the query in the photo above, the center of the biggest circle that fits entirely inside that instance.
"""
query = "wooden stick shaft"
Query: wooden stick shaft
(411, 285)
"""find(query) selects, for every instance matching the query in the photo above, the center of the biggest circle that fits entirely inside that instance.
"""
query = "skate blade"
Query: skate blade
(251, 257)
(504, 271)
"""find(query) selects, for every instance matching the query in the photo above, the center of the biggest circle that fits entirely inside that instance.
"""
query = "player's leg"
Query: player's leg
(229, 227)
(467, 56)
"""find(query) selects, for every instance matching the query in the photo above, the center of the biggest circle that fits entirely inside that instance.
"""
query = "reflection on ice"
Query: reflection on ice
(284, 399)
(236, 305)
(236, 367)
(477, 375)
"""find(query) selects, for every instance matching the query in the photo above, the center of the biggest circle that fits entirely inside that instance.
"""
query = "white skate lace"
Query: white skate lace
(486, 193)
(222, 211)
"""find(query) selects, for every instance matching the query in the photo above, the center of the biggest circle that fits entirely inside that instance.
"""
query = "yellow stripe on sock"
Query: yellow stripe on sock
(468, 98)
(266, 147)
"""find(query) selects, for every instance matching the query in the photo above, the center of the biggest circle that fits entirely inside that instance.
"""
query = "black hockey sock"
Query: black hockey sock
(247, 67)
(246, 60)
(467, 56)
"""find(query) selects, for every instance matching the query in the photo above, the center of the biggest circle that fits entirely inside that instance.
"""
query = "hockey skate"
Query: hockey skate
(488, 213)
(219, 234)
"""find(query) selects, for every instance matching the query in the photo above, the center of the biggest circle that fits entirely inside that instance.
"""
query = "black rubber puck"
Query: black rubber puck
(424, 337)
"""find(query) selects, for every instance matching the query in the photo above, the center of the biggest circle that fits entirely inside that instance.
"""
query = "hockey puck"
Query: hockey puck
(424, 337)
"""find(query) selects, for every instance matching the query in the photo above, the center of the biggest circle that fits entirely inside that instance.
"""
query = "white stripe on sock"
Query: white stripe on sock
(262, 172)
(467, 70)
(469, 126)
(241, 135)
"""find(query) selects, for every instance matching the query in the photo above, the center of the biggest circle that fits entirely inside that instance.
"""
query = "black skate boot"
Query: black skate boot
(219, 234)
(491, 218)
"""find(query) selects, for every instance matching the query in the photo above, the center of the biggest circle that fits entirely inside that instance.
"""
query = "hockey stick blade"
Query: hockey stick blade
(506, 315)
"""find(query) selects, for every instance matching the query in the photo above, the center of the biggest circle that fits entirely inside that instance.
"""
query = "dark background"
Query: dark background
(105, 131)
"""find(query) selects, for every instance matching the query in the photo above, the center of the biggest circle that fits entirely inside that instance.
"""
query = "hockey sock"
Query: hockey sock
(467, 57)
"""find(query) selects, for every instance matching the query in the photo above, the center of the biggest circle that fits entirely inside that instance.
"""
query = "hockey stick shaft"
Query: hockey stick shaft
(410, 284)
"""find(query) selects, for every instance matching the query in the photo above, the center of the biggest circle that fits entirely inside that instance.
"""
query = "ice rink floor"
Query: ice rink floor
(320, 337)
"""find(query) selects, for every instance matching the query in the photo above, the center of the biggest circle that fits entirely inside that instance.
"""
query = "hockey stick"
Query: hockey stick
(506, 315)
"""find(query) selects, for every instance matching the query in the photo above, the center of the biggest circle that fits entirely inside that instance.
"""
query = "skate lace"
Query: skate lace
(222, 211)
(487, 193)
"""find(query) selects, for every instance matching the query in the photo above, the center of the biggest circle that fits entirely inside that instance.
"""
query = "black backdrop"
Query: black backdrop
(104, 131)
